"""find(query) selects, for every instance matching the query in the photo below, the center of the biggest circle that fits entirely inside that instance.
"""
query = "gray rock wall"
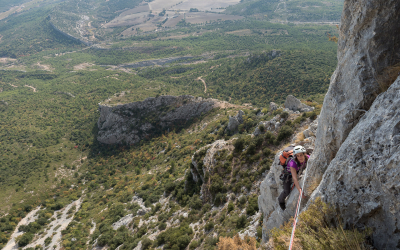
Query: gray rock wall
(357, 140)
(132, 122)
(363, 179)
(369, 42)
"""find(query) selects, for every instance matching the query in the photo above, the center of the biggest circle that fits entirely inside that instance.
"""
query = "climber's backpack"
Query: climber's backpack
(286, 156)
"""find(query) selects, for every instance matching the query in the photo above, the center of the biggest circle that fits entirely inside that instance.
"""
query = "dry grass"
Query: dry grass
(249, 243)
(388, 77)
(314, 183)
(319, 227)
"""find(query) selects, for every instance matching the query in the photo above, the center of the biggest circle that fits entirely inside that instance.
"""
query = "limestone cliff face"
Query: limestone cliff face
(356, 144)
(357, 149)
(369, 42)
(362, 181)
(132, 122)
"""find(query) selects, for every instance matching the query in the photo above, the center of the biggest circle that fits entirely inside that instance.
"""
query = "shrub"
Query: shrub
(47, 241)
(313, 116)
(239, 144)
(217, 184)
(267, 152)
(269, 137)
(284, 115)
(284, 132)
(252, 206)
(162, 226)
(194, 244)
(261, 128)
(277, 112)
(319, 228)
(219, 199)
(249, 243)
(206, 208)
(231, 206)
(25, 239)
(209, 226)
(146, 243)
(242, 200)
(241, 222)
(195, 202)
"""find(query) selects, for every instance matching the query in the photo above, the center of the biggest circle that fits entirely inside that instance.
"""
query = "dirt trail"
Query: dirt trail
(30, 217)
(34, 89)
(204, 82)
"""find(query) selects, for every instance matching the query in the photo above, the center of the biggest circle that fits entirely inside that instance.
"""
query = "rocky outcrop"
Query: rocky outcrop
(357, 147)
(271, 125)
(132, 122)
(362, 181)
(273, 106)
(368, 44)
(235, 121)
(204, 161)
(294, 104)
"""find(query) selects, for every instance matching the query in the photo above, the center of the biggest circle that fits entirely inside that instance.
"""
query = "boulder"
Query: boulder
(294, 104)
(273, 106)
(235, 121)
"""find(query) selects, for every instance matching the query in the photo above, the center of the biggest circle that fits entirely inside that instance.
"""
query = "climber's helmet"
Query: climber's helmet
(299, 149)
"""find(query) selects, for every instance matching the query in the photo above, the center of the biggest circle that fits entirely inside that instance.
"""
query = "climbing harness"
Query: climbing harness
(296, 215)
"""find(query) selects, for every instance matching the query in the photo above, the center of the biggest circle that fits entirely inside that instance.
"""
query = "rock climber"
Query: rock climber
(293, 169)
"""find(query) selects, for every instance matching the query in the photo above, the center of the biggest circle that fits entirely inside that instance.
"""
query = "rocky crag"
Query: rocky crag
(132, 122)
(357, 144)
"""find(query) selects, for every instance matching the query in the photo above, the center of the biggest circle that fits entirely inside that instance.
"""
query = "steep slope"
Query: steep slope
(362, 181)
(357, 130)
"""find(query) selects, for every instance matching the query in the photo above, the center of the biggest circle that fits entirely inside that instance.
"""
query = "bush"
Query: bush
(162, 226)
(284, 115)
(146, 243)
(47, 241)
(25, 239)
(252, 206)
(194, 245)
(209, 226)
(261, 128)
(242, 200)
(239, 144)
(206, 208)
(284, 133)
(195, 202)
(319, 228)
(219, 199)
(267, 152)
(231, 207)
(241, 222)
(313, 116)
(217, 184)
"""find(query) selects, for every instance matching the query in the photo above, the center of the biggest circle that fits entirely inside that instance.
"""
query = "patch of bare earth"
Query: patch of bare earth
(6, 59)
(83, 66)
(44, 67)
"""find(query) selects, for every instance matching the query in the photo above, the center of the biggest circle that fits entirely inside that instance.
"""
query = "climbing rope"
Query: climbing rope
(296, 215)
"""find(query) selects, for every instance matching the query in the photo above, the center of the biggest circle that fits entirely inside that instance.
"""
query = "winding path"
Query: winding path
(34, 89)
(204, 82)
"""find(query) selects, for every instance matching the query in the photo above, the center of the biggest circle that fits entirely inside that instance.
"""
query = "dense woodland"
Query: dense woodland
(48, 121)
